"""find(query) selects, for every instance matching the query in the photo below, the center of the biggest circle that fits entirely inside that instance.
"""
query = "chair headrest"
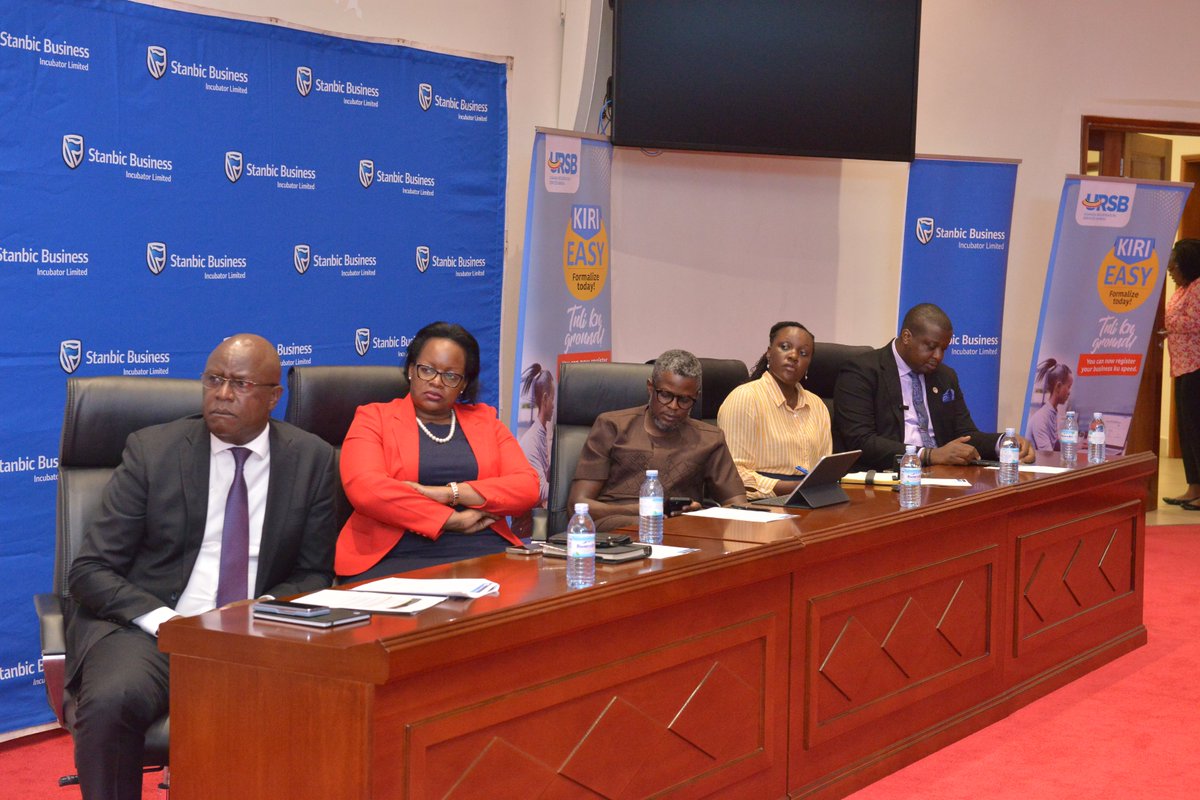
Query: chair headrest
(827, 361)
(322, 400)
(101, 412)
(588, 389)
(720, 376)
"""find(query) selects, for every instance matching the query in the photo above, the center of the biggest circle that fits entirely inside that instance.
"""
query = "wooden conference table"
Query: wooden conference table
(799, 658)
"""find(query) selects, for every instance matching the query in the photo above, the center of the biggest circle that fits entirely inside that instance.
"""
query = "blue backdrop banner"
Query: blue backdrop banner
(957, 228)
(565, 310)
(1107, 268)
(170, 179)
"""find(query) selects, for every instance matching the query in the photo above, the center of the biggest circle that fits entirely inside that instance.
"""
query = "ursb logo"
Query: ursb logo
(70, 353)
(924, 230)
(72, 149)
(304, 80)
(562, 163)
(156, 257)
(422, 258)
(362, 341)
(1118, 203)
(156, 61)
(425, 96)
(233, 165)
(366, 172)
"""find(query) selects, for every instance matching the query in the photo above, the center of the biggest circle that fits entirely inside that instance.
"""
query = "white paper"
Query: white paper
(740, 514)
(1041, 468)
(954, 482)
(445, 587)
(371, 601)
(661, 551)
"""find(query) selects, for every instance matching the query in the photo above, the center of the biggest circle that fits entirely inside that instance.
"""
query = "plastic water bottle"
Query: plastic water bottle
(1010, 456)
(581, 549)
(1096, 439)
(650, 509)
(910, 478)
(1068, 439)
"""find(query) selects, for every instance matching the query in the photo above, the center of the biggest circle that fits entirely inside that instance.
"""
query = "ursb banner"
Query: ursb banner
(565, 310)
(1107, 267)
(170, 179)
(957, 228)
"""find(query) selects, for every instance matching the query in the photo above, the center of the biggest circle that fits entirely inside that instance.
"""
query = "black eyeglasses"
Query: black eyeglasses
(682, 400)
(449, 379)
(211, 380)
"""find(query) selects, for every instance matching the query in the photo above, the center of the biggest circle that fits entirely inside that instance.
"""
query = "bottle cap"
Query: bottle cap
(1070, 413)
(1010, 431)
(910, 449)
(581, 508)
(1096, 415)
(651, 473)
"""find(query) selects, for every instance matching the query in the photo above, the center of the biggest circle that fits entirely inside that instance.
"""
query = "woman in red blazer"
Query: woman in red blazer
(431, 476)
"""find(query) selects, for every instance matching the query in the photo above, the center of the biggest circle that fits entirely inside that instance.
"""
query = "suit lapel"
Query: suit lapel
(279, 482)
(890, 393)
(194, 467)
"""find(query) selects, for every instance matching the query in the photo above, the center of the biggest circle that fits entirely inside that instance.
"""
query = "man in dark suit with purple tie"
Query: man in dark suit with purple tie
(203, 512)
(903, 394)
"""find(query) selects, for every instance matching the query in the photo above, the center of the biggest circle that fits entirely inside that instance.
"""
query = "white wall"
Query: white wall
(742, 242)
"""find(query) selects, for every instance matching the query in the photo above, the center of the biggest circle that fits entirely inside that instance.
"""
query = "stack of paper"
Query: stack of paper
(445, 587)
(372, 601)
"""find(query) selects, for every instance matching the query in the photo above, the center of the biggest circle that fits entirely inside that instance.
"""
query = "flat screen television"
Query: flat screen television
(835, 78)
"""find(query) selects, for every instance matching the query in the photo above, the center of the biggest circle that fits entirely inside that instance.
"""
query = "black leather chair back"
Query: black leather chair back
(322, 400)
(585, 391)
(827, 361)
(100, 414)
(720, 376)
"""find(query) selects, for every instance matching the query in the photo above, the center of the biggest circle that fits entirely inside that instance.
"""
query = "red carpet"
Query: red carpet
(1128, 730)
(1131, 728)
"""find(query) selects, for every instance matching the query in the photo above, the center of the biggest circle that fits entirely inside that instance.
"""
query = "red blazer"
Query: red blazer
(381, 452)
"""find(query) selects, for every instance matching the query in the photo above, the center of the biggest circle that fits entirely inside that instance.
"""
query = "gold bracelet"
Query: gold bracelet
(453, 493)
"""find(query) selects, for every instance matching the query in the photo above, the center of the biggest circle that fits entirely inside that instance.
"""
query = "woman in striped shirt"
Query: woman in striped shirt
(776, 429)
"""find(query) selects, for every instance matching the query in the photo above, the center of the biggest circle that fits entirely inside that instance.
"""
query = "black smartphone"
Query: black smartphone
(675, 505)
(287, 608)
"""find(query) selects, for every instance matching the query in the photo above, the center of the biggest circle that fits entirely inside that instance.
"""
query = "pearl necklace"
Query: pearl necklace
(439, 439)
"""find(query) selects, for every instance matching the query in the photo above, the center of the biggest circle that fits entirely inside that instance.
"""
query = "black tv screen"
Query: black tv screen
(834, 78)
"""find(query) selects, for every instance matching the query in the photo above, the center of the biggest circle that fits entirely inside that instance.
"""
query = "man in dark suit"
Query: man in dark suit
(203, 512)
(902, 394)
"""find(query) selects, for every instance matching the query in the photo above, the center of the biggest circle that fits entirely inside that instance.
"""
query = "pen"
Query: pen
(802, 471)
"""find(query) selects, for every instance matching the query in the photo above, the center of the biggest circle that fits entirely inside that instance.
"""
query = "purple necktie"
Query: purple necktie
(918, 395)
(235, 536)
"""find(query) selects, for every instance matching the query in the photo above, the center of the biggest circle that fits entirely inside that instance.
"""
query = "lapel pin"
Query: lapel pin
(935, 390)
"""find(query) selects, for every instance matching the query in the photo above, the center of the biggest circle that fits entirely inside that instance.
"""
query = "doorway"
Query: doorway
(1157, 150)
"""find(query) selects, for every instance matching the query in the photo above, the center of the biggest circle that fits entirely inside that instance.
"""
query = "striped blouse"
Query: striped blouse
(765, 435)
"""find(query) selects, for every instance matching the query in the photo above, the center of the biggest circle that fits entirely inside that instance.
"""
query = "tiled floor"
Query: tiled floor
(1170, 484)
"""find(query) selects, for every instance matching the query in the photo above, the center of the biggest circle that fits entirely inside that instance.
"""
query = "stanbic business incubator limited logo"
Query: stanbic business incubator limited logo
(233, 165)
(301, 255)
(362, 341)
(366, 172)
(70, 353)
(72, 149)
(422, 258)
(156, 257)
(924, 230)
(156, 61)
(304, 80)
(468, 110)
(425, 96)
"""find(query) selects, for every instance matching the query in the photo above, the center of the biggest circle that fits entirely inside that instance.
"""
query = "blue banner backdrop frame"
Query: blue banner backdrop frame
(172, 178)
(1112, 240)
(957, 228)
(565, 308)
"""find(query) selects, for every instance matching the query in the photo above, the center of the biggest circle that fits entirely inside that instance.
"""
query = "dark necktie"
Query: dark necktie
(918, 397)
(235, 536)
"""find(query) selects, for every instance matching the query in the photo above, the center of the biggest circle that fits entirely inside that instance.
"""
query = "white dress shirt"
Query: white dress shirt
(200, 595)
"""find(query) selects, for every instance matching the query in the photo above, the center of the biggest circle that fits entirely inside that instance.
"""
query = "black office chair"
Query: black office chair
(322, 400)
(585, 390)
(827, 361)
(719, 377)
(100, 413)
